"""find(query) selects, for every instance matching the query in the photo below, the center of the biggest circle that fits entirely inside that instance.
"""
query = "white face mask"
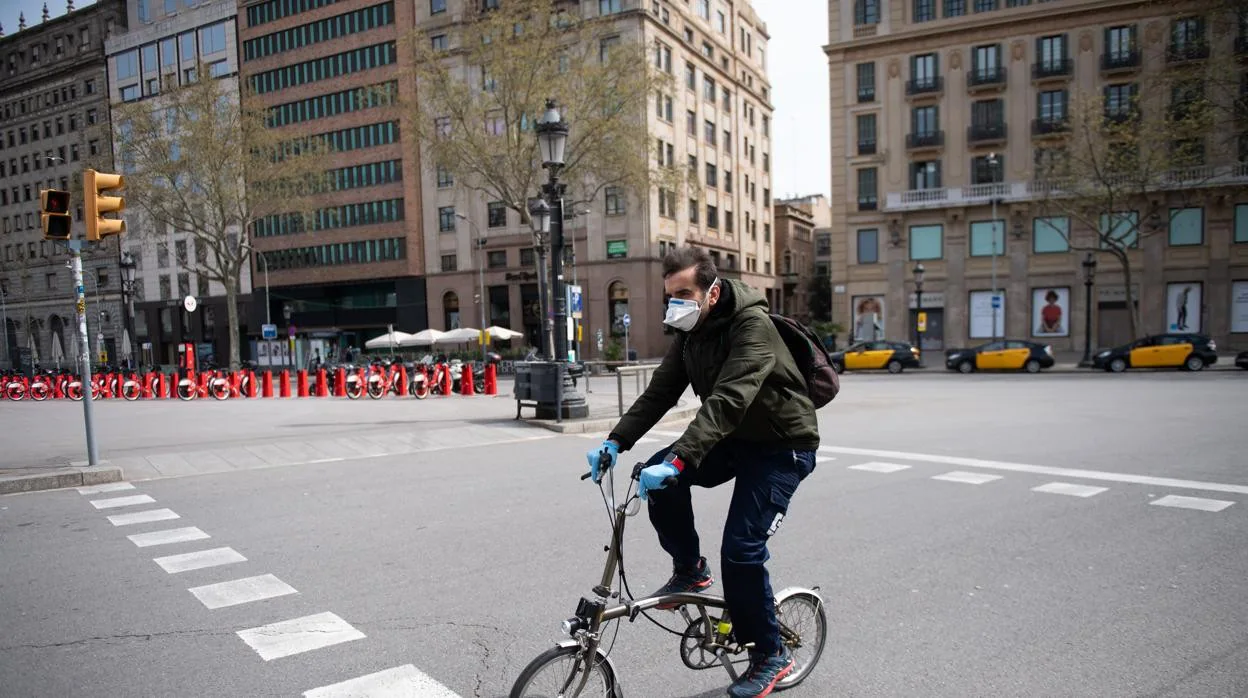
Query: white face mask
(683, 314)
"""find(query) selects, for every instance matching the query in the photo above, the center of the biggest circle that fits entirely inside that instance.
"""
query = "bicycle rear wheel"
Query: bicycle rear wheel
(546, 676)
(804, 630)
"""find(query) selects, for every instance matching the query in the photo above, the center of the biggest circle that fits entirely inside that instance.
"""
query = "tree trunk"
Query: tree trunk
(1132, 311)
(231, 304)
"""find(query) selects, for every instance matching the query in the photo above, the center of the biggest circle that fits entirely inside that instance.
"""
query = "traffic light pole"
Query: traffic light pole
(84, 350)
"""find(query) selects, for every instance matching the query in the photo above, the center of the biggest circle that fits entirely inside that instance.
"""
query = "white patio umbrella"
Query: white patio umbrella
(502, 333)
(393, 339)
(125, 345)
(462, 335)
(58, 353)
(34, 349)
(423, 338)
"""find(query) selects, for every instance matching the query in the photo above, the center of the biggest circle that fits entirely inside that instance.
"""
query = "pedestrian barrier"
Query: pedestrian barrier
(322, 383)
(491, 379)
(266, 384)
(285, 384)
(466, 387)
(302, 383)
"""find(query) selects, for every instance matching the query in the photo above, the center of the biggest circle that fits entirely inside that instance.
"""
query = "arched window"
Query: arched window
(617, 298)
(56, 342)
(450, 310)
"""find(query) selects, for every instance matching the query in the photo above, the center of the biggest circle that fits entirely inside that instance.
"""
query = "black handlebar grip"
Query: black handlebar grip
(669, 482)
(586, 476)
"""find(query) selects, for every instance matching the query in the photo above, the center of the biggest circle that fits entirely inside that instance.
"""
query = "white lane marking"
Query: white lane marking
(400, 682)
(878, 467)
(1043, 470)
(139, 517)
(824, 459)
(173, 535)
(1070, 489)
(599, 437)
(967, 478)
(106, 487)
(1198, 503)
(121, 501)
(298, 635)
(671, 434)
(237, 591)
(186, 562)
(323, 460)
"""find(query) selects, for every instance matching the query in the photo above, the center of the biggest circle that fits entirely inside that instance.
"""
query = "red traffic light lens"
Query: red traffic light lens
(56, 201)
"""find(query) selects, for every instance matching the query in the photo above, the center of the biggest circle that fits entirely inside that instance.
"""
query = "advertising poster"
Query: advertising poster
(868, 318)
(262, 353)
(1050, 312)
(1183, 307)
(1239, 306)
(982, 325)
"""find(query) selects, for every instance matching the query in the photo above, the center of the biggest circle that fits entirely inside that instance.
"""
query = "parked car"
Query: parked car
(1191, 352)
(893, 357)
(1242, 360)
(1005, 355)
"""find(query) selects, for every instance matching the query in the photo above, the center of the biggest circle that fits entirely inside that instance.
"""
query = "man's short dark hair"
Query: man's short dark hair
(683, 258)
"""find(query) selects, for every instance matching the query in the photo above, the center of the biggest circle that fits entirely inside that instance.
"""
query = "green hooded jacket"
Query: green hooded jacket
(750, 386)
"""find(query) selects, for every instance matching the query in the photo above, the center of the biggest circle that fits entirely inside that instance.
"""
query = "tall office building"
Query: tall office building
(166, 43)
(716, 120)
(925, 92)
(53, 99)
(328, 69)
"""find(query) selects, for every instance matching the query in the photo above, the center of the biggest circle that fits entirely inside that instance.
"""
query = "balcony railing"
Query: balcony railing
(1054, 68)
(866, 94)
(1125, 116)
(925, 139)
(1112, 61)
(1044, 127)
(985, 133)
(1187, 52)
(986, 77)
(868, 203)
(1011, 192)
(923, 86)
(866, 147)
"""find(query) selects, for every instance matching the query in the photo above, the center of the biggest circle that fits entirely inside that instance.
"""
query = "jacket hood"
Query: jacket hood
(735, 297)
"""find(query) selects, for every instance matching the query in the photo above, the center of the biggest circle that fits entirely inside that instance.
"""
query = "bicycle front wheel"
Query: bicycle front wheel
(548, 674)
(804, 630)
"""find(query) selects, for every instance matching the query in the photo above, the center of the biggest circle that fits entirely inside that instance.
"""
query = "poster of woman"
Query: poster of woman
(868, 318)
(1183, 307)
(1050, 308)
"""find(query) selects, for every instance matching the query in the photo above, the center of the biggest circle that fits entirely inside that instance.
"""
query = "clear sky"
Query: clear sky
(795, 64)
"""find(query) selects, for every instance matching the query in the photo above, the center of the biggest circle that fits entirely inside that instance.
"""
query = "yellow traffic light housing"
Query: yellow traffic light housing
(54, 214)
(93, 185)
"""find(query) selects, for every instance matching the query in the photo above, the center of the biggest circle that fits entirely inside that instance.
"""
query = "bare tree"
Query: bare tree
(1130, 158)
(482, 84)
(202, 160)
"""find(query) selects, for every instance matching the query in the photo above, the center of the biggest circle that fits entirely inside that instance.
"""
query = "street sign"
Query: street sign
(923, 322)
(268, 331)
(190, 304)
(626, 320)
(996, 302)
(576, 308)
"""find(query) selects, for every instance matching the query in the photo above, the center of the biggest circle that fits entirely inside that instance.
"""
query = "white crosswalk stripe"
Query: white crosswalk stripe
(400, 682)
(877, 467)
(199, 560)
(967, 478)
(239, 591)
(139, 517)
(106, 487)
(299, 635)
(1070, 489)
(173, 535)
(1197, 503)
(121, 501)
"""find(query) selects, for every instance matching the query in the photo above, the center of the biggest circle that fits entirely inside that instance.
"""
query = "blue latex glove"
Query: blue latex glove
(652, 477)
(612, 449)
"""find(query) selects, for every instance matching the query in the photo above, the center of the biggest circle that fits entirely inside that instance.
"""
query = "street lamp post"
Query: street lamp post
(995, 163)
(1089, 278)
(128, 268)
(552, 140)
(287, 312)
(919, 272)
(480, 245)
(539, 219)
(265, 262)
(4, 323)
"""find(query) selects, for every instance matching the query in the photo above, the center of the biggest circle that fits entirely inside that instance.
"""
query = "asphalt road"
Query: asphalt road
(462, 562)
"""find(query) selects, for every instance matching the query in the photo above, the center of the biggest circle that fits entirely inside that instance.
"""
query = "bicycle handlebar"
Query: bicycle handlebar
(604, 462)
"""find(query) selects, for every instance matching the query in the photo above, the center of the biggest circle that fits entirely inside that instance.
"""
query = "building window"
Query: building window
(712, 175)
(1120, 101)
(1051, 106)
(212, 39)
(955, 8)
(450, 262)
(925, 121)
(1187, 37)
(924, 10)
(437, 6)
(987, 238)
(712, 217)
(866, 12)
(1050, 234)
(708, 132)
(693, 211)
(129, 93)
(438, 42)
(868, 246)
(924, 71)
(527, 257)
(985, 171)
(1187, 226)
(127, 66)
(1120, 229)
(866, 82)
(925, 175)
(985, 5)
(1120, 44)
(496, 259)
(446, 219)
(691, 76)
(615, 201)
(444, 178)
(1051, 54)
(496, 215)
(691, 123)
(868, 195)
(1241, 223)
(926, 242)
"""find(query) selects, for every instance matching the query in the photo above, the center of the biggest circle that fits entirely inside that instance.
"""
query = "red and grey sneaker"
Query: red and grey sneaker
(764, 673)
(686, 580)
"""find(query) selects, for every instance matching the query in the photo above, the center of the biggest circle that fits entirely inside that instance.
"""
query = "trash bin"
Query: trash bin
(632, 354)
(537, 383)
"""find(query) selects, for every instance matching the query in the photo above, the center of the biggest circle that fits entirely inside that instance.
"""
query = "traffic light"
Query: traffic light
(93, 184)
(54, 214)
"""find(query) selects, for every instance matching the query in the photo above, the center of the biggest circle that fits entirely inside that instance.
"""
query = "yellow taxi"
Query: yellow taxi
(1192, 352)
(1006, 355)
(893, 357)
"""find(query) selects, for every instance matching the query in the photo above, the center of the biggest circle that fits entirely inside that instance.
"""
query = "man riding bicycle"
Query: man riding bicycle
(756, 425)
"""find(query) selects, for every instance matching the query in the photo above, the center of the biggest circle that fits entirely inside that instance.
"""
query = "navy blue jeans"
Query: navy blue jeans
(766, 478)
